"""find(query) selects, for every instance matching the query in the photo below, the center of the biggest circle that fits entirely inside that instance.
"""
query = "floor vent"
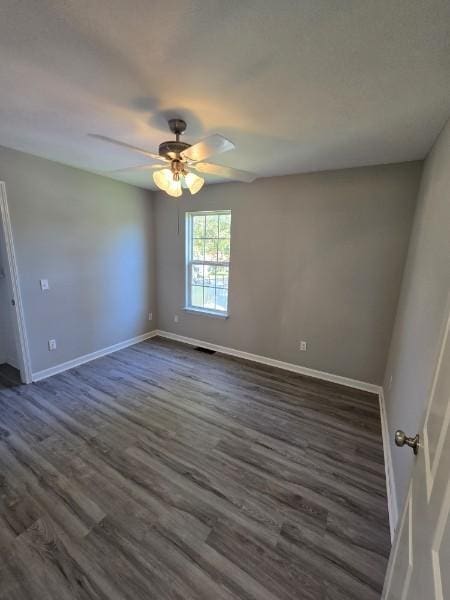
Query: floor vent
(205, 350)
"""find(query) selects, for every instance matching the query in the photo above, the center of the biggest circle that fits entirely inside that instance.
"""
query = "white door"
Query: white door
(419, 567)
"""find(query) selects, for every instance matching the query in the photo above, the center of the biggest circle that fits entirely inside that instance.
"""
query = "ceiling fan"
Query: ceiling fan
(179, 162)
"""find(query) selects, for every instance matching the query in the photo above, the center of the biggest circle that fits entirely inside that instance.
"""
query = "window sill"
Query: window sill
(206, 313)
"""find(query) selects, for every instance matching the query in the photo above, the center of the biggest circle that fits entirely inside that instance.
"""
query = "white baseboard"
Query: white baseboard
(390, 483)
(9, 361)
(70, 364)
(272, 362)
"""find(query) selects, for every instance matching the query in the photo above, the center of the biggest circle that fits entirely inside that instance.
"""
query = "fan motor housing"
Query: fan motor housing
(171, 149)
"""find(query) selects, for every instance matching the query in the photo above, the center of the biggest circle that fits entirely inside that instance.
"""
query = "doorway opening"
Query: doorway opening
(14, 351)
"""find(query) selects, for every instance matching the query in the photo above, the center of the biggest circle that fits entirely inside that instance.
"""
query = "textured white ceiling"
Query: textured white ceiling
(298, 85)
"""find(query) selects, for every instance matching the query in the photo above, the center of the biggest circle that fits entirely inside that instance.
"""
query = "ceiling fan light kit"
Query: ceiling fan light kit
(194, 182)
(180, 160)
(165, 180)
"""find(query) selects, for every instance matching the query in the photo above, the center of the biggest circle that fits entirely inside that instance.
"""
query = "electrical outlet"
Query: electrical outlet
(51, 345)
(44, 284)
(303, 346)
(150, 316)
(175, 319)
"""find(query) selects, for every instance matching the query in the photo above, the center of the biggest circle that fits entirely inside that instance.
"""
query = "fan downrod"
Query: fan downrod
(173, 148)
(177, 126)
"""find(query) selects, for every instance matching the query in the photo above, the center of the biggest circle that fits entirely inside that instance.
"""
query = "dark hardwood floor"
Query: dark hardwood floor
(163, 472)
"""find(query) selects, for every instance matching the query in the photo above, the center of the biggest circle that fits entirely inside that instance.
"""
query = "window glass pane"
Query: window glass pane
(197, 274)
(198, 249)
(223, 250)
(222, 277)
(197, 296)
(211, 250)
(209, 301)
(210, 276)
(212, 226)
(221, 299)
(209, 243)
(198, 226)
(224, 225)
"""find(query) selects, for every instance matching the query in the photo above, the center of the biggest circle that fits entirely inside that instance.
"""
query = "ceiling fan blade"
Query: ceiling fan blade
(214, 144)
(136, 168)
(221, 171)
(104, 138)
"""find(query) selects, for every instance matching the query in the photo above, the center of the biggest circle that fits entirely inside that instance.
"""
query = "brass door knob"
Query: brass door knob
(401, 439)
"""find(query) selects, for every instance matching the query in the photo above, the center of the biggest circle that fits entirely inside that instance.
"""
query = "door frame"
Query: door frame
(23, 349)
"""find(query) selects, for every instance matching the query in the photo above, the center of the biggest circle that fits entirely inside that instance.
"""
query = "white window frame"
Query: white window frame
(189, 262)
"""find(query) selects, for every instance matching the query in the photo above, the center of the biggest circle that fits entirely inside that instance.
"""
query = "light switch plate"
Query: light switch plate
(44, 285)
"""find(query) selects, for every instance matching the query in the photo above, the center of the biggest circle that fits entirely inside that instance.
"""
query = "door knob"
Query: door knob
(401, 439)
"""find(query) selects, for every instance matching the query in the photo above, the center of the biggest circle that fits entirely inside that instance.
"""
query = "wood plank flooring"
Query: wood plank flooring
(161, 472)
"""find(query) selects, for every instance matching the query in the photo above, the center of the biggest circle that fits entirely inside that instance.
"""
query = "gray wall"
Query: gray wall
(8, 352)
(93, 239)
(317, 257)
(423, 306)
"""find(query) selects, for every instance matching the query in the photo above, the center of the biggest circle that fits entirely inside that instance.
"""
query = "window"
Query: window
(208, 261)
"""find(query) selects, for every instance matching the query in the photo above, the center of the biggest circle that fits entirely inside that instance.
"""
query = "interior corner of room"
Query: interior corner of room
(347, 251)
(349, 258)
(310, 266)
